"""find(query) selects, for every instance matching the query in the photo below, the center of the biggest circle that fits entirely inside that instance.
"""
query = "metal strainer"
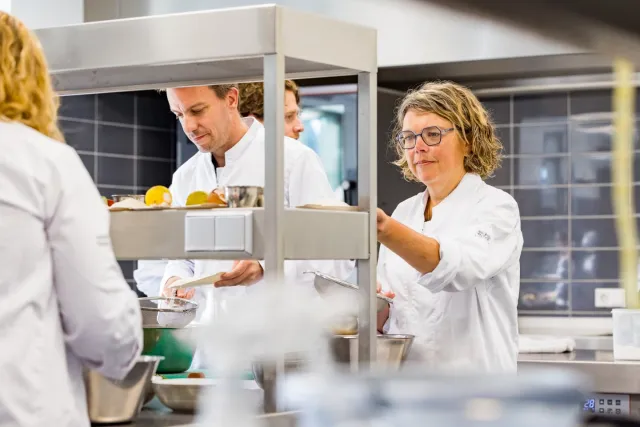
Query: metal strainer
(166, 312)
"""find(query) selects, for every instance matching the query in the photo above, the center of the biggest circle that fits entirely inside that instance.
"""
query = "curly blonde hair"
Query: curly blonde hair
(252, 98)
(469, 118)
(26, 93)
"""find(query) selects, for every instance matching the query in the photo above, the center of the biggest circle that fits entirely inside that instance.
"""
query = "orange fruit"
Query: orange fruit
(215, 198)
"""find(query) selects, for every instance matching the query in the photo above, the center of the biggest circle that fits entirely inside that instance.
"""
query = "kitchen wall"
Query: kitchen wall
(558, 167)
(126, 142)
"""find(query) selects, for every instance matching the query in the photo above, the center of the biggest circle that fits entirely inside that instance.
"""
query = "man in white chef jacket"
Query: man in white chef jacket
(231, 152)
(251, 103)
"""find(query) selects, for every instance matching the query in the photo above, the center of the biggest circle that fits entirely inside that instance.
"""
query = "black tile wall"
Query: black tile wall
(557, 165)
(125, 140)
(115, 139)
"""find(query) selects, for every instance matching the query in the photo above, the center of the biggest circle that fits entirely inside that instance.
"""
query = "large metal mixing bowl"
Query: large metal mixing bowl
(392, 351)
(119, 401)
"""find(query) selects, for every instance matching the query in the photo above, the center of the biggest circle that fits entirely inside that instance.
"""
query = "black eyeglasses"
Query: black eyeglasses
(431, 135)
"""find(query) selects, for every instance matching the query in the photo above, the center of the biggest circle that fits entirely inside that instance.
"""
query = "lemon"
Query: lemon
(197, 198)
(158, 196)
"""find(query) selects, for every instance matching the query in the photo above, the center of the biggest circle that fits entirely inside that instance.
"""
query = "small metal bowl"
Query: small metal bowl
(181, 394)
(120, 197)
(244, 196)
(119, 401)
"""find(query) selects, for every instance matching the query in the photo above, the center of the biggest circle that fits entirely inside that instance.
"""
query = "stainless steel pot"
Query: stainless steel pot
(119, 401)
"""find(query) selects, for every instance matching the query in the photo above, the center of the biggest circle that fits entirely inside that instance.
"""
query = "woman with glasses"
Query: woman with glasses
(451, 254)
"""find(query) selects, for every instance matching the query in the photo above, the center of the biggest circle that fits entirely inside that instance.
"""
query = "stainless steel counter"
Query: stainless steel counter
(607, 374)
(157, 415)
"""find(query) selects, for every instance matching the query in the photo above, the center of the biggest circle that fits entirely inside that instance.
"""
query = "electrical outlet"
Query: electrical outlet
(609, 297)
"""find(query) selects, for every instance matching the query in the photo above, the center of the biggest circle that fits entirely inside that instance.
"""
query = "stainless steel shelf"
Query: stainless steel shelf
(259, 43)
(225, 46)
(308, 234)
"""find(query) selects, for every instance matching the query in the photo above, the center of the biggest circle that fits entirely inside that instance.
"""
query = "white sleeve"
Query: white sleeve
(480, 251)
(148, 276)
(182, 268)
(100, 313)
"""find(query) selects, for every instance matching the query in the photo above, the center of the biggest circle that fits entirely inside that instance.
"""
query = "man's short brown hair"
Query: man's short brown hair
(220, 90)
(252, 97)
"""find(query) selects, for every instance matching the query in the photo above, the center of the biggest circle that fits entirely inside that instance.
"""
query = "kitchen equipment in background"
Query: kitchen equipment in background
(409, 397)
(244, 196)
(329, 115)
(119, 401)
(626, 334)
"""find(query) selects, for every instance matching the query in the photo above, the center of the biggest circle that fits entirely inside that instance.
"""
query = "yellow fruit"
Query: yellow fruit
(197, 198)
(158, 196)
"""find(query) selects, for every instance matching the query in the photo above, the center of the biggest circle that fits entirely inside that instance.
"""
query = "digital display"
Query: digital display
(607, 404)
(589, 405)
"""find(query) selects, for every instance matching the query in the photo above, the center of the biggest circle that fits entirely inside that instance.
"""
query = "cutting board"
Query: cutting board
(195, 282)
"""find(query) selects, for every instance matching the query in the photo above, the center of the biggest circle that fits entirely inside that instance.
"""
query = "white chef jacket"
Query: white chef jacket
(63, 301)
(305, 181)
(464, 313)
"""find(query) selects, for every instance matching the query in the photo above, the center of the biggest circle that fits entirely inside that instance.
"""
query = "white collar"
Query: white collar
(468, 183)
(235, 152)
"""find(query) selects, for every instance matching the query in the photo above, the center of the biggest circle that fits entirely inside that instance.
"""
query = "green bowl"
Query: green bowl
(174, 344)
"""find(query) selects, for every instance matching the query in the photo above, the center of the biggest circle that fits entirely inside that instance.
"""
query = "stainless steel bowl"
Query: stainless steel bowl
(181, 395)
(119, 401)
(244, 196)
(167, 312)
(392, 352)
(265, 373)
(326, 284)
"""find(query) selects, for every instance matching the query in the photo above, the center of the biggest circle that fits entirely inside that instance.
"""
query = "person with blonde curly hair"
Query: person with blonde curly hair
(65, 305)
(252, 105)
(451, 255)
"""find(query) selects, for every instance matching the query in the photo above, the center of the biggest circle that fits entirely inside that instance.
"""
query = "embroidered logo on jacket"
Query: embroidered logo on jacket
(483, 235)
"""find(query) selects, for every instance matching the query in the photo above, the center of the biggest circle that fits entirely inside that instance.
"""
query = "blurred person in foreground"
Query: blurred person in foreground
(65, 305)
(451, 254)
(252, 105)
